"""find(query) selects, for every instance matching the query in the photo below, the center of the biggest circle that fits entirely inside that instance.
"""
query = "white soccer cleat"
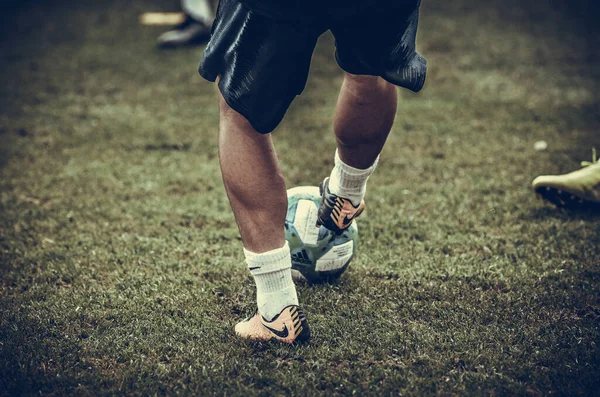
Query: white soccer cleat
(289, 326)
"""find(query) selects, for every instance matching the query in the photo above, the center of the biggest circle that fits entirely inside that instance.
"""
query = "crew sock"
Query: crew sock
(349, 182)
(272, 274)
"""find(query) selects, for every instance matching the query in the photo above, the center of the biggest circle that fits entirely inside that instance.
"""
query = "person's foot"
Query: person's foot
(336, 213)
(189, 32)
(288, 326)
(577, 189)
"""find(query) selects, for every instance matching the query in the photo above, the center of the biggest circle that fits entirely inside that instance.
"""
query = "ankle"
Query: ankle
(349, 182)
(272, 274)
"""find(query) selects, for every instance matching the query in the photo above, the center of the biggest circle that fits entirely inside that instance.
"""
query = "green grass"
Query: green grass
(121, 265)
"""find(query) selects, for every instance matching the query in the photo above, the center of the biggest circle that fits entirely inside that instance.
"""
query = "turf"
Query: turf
(120, 261)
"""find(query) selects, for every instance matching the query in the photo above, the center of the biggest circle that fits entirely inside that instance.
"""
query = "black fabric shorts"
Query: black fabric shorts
(263, 63)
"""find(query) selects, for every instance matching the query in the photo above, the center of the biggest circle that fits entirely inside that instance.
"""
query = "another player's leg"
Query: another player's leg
(577, 189)
(195, 29)
(257, 194)
(364, 117)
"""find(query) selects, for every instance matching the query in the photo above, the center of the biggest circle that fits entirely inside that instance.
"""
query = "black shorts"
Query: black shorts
(263, 63)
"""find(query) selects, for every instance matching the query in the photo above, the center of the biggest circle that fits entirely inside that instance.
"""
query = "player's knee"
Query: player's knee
(366, 86)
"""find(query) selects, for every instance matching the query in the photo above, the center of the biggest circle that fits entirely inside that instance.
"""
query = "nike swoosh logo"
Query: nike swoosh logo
(346, 221)
(282, 334)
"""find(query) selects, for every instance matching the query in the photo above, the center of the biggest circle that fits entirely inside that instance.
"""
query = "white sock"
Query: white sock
(349, 182)
(272, 273)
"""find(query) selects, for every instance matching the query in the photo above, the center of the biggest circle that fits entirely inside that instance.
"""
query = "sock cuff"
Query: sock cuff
(349, 170)
(270, 261)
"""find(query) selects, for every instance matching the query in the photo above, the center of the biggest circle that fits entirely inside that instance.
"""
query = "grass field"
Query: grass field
(120, 262)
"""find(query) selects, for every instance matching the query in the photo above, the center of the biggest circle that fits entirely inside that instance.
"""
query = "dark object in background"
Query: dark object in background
(189, 32)
(195, 29)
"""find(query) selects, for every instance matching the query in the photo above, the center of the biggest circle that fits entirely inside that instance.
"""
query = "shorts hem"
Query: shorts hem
(413, 80)
(347, 69)
(239, 108)
(207, 76)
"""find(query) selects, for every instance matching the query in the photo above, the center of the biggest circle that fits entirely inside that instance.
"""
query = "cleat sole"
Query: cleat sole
(563, 199)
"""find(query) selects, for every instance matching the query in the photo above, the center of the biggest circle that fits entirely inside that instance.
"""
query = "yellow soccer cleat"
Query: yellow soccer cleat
(578, 189)
(289, 326)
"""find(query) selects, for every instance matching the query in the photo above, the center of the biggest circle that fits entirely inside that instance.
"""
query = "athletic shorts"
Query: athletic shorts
(263, 63)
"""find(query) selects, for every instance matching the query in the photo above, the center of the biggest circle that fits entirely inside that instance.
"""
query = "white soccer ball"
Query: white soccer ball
(318, 254)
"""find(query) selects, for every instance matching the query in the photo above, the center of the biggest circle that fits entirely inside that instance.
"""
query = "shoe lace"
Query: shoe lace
(594, 159)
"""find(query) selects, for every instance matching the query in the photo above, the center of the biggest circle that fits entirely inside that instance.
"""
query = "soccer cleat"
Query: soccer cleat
(288, 326)
(578, 189)
(336, 213)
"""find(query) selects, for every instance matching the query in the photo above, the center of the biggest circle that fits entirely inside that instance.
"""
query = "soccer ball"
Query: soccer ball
(318, 254)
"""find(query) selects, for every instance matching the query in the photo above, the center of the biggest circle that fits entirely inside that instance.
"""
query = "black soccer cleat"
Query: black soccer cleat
(336, 213)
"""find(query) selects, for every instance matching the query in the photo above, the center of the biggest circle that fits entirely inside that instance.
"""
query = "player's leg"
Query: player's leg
(200, 10)
(261, 65)
(257, 194)
(377, 54)
(364, 117)
(195, 29)
(253, 181)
